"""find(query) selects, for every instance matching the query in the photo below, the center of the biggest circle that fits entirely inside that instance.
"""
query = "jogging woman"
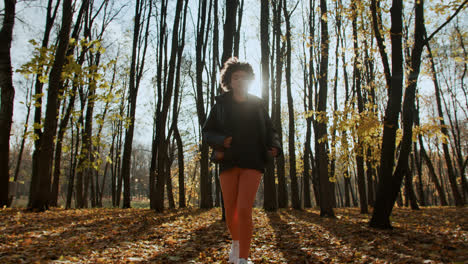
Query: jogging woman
(243, 138)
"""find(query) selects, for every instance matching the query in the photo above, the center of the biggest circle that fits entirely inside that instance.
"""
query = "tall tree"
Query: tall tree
(75, 83)
(357, 65)
(312, 96)
(50, 18)
(448, 160)
(308, 103)
(41, 193)
(240, 12)
(296, 203)
(390, 182)
(213, 91)
(326, 186)
(85, 170)
(229, 29)
(23, 138)
(392, 111)
(370, 98)
(200, 64)
(177, 104)
(162, 39)
(333, 127)
(163, 142)
(276, 113)
(8, 96)
(269, 201)
(389, 187)
(139, 47)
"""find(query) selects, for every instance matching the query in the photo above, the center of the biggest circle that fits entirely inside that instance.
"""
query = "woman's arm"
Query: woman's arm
(210, 131)
(273, 137)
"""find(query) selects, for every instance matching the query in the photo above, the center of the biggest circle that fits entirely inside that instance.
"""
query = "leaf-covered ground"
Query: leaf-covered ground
(430, 235)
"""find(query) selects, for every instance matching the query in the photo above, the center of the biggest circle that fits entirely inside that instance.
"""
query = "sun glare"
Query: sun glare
(256, 85)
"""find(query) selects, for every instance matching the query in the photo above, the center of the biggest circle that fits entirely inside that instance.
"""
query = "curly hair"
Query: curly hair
(231, 65)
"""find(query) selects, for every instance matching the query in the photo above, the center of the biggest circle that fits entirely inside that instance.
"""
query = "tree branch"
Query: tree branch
(446, 22)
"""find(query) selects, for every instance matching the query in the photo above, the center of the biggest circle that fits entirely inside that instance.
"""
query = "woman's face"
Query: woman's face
(240, 81)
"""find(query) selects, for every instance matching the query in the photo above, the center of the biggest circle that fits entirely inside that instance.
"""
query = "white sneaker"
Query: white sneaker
(234, 253)
(244, 261)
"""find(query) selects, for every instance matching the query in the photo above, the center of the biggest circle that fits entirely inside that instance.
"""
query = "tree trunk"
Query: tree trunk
(229, 28)
(154, 146)
(23, 138)
(50, 18)
(409, 190)
(180, 159)
(178, 138)
(432, 173)
(239, 24)
(162, 142)
(118, 190)
(448, 160)
(326, 186)
(276, 116)
(42, 189)
(58, 148)
(418, 167)
(392, 111)
(370, 79)
(389, 185)
(139, 46)
(7, 98)
(308, 107)
(296, 203)
(360, 102)
(270, 198)
(71, 175)
(201, 44)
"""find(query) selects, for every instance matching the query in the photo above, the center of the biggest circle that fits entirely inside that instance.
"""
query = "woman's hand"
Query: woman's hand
(227, 142)
(219, 155)
(273, 151)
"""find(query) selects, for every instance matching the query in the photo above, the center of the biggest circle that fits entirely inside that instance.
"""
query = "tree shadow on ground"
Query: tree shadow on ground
(50, 219)
(91, 235)
(397, 245)
(203, 243)
(288, 241)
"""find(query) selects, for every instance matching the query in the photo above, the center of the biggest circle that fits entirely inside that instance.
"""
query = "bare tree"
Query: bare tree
(139, 47)
(276, 109)
(448, 160)
(296, 203)
(8, 95)
(229, 29)
(163, 167)
(326, 186)
(270, 197)
(201, 44)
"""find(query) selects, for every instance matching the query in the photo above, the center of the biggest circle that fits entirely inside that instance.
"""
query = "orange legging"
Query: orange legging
(239, 187)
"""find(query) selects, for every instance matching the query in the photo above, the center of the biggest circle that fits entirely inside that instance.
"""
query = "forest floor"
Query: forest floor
(429, 235)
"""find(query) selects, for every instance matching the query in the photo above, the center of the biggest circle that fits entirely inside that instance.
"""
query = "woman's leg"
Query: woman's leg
(229, 181)
(249, 179)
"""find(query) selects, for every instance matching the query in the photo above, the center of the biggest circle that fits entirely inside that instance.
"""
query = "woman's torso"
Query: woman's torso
(243, 125)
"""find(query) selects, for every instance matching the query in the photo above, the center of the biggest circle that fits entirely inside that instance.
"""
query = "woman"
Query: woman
(244, 140)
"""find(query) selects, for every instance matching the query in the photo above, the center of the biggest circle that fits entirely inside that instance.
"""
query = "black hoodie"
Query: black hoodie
(252, 131)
